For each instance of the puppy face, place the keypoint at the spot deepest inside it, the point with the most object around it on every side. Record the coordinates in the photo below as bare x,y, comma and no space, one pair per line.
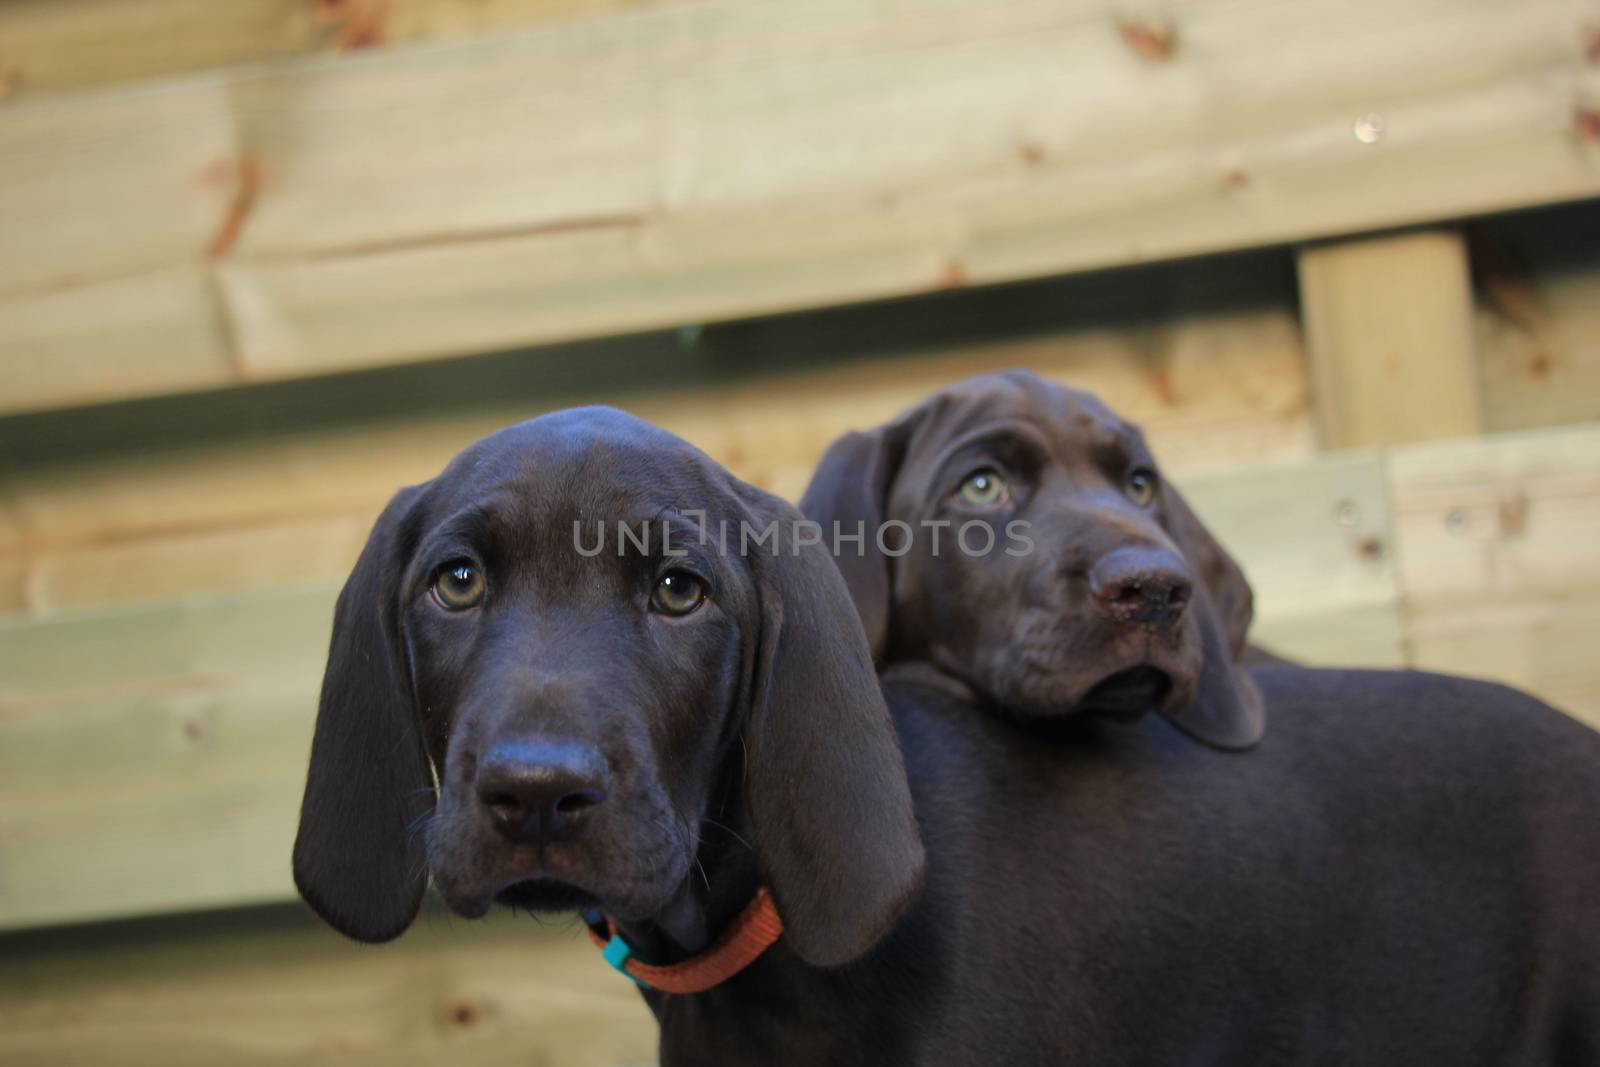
609,676
1102,592
545,679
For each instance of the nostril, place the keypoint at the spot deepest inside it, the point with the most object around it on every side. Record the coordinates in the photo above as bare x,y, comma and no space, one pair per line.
1127,593
1178,596
573,803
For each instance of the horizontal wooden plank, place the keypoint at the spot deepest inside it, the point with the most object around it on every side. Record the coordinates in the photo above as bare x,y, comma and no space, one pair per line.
1544,644
271,987
53,45
710,161
107,186
1371,635
1498,564
155,756
1312,535
224,513
166,326
1500,514
1314,539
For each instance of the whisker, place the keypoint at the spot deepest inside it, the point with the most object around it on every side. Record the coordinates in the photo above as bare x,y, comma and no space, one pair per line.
729,831
418,824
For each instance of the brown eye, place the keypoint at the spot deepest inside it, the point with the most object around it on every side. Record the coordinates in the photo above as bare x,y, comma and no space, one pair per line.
678,593
458,586
984,489
1141,486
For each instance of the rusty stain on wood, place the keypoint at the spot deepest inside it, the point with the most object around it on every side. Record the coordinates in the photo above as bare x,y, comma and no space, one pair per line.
357,24
1514,515
1587,120
1161,383
951,276
247,176
1155,39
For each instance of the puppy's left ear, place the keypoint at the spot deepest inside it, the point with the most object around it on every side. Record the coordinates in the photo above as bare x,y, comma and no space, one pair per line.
834,829
1227,710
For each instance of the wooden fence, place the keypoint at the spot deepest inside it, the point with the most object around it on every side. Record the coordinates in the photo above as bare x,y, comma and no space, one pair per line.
263,262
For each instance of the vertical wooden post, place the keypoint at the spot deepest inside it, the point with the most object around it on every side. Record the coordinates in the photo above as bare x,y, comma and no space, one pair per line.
1388,326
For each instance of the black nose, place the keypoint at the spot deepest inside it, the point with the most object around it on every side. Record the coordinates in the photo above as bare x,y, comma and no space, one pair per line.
1144,585
538,790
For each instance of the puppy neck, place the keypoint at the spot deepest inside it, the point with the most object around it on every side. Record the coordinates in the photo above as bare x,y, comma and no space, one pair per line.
720,886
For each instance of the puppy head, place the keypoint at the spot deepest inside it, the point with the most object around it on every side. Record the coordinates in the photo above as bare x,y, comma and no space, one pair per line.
546,670
1084,582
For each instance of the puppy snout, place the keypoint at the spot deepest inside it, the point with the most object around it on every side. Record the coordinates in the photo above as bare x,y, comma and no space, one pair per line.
1142,585
538,791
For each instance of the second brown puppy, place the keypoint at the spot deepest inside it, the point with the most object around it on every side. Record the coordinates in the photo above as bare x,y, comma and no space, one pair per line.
1083,582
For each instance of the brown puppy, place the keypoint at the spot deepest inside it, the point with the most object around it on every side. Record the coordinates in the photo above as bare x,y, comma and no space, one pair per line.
1099,591
606,718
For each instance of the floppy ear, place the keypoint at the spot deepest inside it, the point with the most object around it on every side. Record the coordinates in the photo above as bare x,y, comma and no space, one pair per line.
357,861
1227,711
835,833
848,493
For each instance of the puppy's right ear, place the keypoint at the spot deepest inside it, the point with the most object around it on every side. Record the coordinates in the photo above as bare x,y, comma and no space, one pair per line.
357,861
849,493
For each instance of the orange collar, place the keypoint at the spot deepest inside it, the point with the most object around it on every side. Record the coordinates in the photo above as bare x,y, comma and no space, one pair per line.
745,939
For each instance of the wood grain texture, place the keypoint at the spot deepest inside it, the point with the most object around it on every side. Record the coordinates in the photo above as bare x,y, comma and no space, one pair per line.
1389,330
1315,540
1498,563
152,760
710,161
224,511
165,327
48,46
270,987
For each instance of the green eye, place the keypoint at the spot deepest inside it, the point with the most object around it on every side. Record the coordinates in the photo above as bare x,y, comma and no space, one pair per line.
1141,486
984,489
678,593
458,586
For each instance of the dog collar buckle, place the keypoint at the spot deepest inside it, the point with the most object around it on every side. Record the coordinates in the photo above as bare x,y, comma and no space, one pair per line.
615,951
751,934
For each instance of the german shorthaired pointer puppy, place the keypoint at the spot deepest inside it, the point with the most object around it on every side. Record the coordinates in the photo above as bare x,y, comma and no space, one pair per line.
1109,595
1415,859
